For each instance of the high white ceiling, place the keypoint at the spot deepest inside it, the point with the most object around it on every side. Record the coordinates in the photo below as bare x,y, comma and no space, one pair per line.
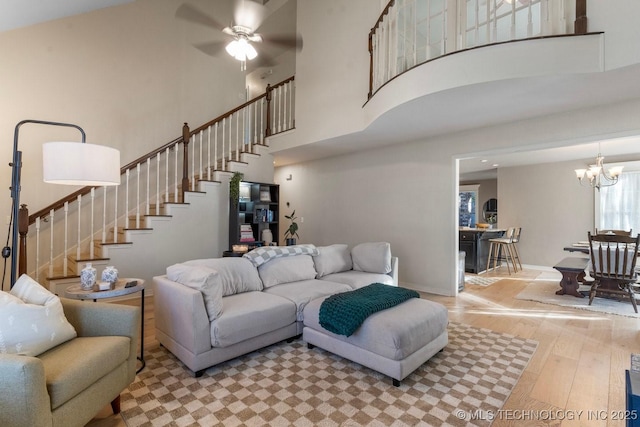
406,122
22,13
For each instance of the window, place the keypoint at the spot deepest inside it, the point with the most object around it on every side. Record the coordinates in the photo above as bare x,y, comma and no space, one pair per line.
468,205
618,206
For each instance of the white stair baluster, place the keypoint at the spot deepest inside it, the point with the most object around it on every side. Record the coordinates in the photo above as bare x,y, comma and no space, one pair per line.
176,154
223,155
193,164
255,125
126,200
158,195
209,153
115,214
262,102
104,214
215,146
284,107
230,137
65,263
37,249
166,175
51,213
238,137
93,199
201,174
79,199
148,199
138,196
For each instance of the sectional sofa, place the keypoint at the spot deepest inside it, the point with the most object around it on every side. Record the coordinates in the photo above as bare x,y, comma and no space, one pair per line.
208,311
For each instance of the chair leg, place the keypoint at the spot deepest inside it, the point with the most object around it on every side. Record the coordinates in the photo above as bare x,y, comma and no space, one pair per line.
511,248
115,405
504,251
515,249
632,296
489,257
592,293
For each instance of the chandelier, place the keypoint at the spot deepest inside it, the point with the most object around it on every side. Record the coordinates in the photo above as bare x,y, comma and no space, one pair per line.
596,176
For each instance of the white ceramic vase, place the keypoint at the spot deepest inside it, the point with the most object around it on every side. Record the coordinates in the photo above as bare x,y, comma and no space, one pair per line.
88,277
267,236
110,274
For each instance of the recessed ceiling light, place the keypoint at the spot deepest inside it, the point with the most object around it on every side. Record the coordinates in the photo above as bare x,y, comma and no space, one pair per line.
484,161
495,165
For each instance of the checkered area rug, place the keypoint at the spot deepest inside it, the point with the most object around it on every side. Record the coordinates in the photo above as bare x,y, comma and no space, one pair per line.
481,280
289,385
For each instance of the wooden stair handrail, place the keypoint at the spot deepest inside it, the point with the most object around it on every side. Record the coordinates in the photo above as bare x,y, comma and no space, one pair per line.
86,190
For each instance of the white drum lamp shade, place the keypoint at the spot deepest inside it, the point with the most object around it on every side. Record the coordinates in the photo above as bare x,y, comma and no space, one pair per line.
74,163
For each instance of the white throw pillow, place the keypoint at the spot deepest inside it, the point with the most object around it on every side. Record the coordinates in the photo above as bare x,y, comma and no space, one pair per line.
286,270
203,279
237,274
32,320
332,259
373,257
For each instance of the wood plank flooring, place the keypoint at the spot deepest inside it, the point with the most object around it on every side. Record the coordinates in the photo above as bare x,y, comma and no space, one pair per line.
576,377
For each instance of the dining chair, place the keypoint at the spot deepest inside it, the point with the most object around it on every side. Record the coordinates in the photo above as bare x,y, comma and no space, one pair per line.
501,249
613,265
514,245
617,232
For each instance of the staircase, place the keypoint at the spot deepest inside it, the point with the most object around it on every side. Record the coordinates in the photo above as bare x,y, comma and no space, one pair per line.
172,204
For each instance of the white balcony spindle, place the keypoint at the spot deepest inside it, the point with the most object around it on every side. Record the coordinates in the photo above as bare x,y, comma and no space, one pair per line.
238,137
201,172
223,153
158,196
193,163
262,102
230,138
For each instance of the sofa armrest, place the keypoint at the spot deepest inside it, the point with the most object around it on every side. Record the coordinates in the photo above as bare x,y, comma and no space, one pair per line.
24,400
95,319
394,270
180,314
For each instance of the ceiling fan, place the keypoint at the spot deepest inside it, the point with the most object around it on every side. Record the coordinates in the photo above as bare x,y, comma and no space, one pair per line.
248,16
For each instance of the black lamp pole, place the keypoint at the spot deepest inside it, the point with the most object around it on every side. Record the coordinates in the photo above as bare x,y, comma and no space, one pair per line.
16,166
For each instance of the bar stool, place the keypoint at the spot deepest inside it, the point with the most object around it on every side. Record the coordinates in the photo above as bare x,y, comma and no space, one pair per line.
501,249
514,246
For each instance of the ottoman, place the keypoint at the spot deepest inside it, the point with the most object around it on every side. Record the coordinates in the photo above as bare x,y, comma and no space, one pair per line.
394,342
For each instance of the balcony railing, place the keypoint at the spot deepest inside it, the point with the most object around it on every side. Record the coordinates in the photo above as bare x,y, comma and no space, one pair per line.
409,33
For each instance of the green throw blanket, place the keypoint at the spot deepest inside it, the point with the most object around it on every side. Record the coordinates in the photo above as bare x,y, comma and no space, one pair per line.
343,313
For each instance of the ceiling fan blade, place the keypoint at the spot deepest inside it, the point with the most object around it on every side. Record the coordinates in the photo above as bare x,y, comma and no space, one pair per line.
248,14
228,31
192,14
211,48
284,40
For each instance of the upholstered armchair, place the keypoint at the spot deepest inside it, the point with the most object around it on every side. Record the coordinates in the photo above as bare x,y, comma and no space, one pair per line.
69,384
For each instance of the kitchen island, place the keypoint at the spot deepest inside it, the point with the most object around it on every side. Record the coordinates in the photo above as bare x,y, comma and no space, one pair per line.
475,243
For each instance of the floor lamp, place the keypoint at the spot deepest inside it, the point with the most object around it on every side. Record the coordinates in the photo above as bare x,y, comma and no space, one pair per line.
69,163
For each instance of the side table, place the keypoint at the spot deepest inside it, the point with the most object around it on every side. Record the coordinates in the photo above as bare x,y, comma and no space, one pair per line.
117,290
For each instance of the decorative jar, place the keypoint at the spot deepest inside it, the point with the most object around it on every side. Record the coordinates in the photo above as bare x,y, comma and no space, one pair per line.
88,277
267,236
110,274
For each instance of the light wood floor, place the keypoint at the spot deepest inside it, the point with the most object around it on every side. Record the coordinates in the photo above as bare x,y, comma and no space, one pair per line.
579,364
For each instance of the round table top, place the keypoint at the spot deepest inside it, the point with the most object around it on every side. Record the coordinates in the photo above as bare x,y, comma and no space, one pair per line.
76,291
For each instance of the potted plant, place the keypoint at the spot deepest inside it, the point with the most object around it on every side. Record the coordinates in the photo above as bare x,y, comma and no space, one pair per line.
292,231
234,187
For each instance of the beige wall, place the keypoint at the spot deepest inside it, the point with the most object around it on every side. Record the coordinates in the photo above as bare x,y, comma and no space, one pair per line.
129,75
551,207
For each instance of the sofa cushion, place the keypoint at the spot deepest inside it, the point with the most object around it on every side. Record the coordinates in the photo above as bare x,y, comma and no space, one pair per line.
32,320
75,365
332,259
358,279
262,255
287,269
372,257
236,274
250,314
304,291
203,279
